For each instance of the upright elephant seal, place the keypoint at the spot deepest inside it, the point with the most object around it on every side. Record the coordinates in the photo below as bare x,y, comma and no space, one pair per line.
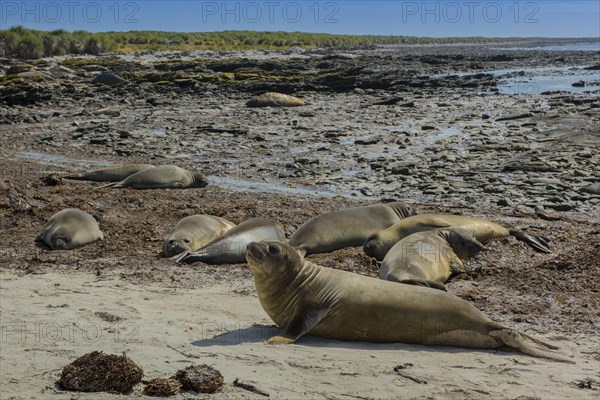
162,177
304,298
231,247
274,99
194,232
347,228
380,243
69,229
113,174
429,258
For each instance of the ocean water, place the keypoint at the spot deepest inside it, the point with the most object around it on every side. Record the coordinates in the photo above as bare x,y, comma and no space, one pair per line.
562,47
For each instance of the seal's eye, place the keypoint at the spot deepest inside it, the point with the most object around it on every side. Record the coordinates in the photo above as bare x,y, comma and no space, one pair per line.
171,241
273,250
187,241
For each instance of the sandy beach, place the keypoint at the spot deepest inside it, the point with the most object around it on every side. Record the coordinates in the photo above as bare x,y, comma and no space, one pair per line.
525,161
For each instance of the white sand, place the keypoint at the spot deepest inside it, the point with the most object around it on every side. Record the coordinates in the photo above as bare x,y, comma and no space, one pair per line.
48,320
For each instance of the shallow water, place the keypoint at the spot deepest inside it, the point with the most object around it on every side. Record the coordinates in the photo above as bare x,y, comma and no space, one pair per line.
535,81
545,83
226,182
242,185
562,47
60,160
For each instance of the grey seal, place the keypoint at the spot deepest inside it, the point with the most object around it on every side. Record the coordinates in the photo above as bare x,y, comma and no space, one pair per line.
231,247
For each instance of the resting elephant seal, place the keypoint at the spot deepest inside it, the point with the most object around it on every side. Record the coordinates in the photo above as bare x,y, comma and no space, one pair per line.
162,177
429,258
274,99
69,229
380,243
346,228
231,247
305,298
194,232
114,174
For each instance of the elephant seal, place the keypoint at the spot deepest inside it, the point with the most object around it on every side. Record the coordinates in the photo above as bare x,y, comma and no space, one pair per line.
380,243
194,232
162,177
108,78
305,298
69,229
274,99
429,258
231,247
113,174
347,228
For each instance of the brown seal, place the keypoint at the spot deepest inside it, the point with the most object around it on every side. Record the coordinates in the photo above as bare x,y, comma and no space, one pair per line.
347,228
305,298
274,99
380,243
162,177
113,174
69,229
429,258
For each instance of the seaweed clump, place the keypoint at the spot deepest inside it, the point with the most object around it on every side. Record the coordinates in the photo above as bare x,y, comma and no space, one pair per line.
99,372
200,378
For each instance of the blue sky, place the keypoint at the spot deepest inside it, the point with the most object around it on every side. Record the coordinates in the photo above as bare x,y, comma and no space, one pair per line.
547,18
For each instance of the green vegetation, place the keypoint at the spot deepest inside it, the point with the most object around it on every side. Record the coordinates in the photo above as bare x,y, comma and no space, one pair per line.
18,42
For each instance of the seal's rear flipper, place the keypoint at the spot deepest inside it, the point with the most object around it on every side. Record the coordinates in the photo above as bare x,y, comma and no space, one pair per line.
538,243
425,283
528,345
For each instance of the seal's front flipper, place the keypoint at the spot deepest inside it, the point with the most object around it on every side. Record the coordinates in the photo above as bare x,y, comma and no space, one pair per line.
538,243
303,320
425,283
281,339
190,257
180,256
528,345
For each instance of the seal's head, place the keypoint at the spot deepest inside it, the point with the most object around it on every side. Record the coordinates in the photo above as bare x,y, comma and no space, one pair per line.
176,245
374,247
61,242
273,258
198,180
463,242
